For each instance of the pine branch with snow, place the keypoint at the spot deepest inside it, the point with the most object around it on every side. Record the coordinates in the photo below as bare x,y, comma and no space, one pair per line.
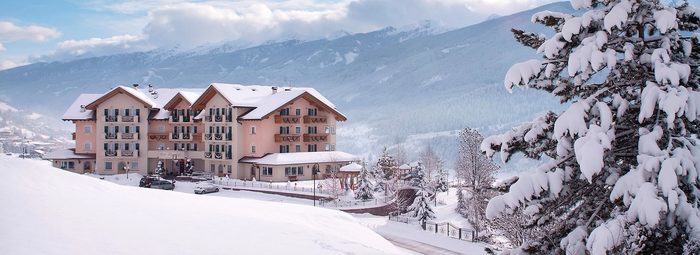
365,191
623,175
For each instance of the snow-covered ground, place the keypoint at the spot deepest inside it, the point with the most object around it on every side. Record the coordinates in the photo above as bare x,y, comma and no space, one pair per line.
49,211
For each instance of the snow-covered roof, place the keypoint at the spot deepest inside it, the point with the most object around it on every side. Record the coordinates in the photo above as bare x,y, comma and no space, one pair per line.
405,167
66,154
271,103
302,158
352,167
167,94
76,112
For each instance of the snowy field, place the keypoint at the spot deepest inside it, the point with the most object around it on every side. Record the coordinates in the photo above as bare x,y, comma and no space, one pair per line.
49,211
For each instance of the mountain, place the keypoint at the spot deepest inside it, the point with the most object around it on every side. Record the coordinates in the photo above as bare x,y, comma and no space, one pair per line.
22,130
410,85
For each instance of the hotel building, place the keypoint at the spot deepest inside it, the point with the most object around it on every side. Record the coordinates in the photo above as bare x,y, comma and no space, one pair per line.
245,132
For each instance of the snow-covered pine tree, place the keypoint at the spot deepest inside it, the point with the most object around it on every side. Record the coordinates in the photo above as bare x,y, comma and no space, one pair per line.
421,207
476,171
365,191
625,157
159,168
441,184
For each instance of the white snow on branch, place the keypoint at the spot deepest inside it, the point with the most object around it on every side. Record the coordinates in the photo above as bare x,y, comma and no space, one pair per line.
521,73
666,20
578,4
650,96
646,206
606,236
571,27
528,186
572,121
541,16
552,46
617,15
590,151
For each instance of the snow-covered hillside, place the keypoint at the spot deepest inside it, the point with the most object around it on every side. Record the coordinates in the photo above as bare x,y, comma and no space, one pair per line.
49,211
390,82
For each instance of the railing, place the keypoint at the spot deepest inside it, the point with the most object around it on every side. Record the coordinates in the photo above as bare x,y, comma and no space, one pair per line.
207,118
207,154
126,153
315,119
127,135
286,138
127,118
441,228
175,136
110,153
218,118
286,119
111,136
217,155
174,118
186,136
218,137
315,138
207,136
110,118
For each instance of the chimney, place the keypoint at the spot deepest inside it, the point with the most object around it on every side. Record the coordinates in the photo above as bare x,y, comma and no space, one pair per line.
82,108
136,85
274,90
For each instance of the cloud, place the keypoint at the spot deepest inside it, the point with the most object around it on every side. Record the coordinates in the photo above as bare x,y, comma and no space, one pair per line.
93,47
10,32
7,64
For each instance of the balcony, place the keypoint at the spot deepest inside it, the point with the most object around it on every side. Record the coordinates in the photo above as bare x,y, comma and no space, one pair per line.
207,154
315,119
218,155
315,138
279,138
128,136
157,136
207,118
174,136
110,118
128,118
186,136
286,119
129,153
111,136
207,136
219,118
218,136
110,153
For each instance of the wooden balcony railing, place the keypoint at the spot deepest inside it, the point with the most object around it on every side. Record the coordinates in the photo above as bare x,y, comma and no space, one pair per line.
207,154
129,153
218,155
111,136
218,136
207,136
127,118
128,136
286,119
315,138
315,119
110,153
279,138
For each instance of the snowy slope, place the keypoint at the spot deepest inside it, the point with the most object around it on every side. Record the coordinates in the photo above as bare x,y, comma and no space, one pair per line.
422,80
49,211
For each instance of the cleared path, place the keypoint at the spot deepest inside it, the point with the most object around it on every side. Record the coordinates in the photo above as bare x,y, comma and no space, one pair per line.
416,246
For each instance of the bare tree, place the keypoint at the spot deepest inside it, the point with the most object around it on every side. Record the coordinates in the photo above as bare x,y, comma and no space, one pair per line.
475,171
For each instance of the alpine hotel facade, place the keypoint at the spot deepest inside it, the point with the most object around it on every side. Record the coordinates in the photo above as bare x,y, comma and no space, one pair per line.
244,132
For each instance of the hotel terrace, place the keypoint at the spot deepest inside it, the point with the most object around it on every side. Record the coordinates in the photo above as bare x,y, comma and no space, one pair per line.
245,132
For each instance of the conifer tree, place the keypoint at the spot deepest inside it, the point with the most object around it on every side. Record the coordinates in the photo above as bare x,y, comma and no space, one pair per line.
625,157
365,191
421,207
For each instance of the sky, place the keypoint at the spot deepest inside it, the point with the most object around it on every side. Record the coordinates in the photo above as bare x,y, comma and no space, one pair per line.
54,30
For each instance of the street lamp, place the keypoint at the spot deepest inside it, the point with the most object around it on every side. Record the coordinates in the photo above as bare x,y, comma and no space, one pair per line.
314,172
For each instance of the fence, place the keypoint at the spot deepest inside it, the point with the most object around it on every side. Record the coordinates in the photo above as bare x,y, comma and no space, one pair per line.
266,185
355,203
442,228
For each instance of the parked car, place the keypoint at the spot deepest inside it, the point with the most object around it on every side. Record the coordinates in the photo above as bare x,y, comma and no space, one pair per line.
146,181
203,188
162,184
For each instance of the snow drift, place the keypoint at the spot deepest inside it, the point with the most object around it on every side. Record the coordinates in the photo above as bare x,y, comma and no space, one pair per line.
50,211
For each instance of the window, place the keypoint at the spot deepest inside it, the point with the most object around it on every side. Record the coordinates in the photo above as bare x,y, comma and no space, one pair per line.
297,148
108,165
87,129
138,112
293,170
313,111
126,112
328,147
211,168
134,165
284,112
298,129
71,165
284,148
252,130
252,149
87,146
328,130
298,111
284,130
312,130
228,169
161,129
312,147
267,171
